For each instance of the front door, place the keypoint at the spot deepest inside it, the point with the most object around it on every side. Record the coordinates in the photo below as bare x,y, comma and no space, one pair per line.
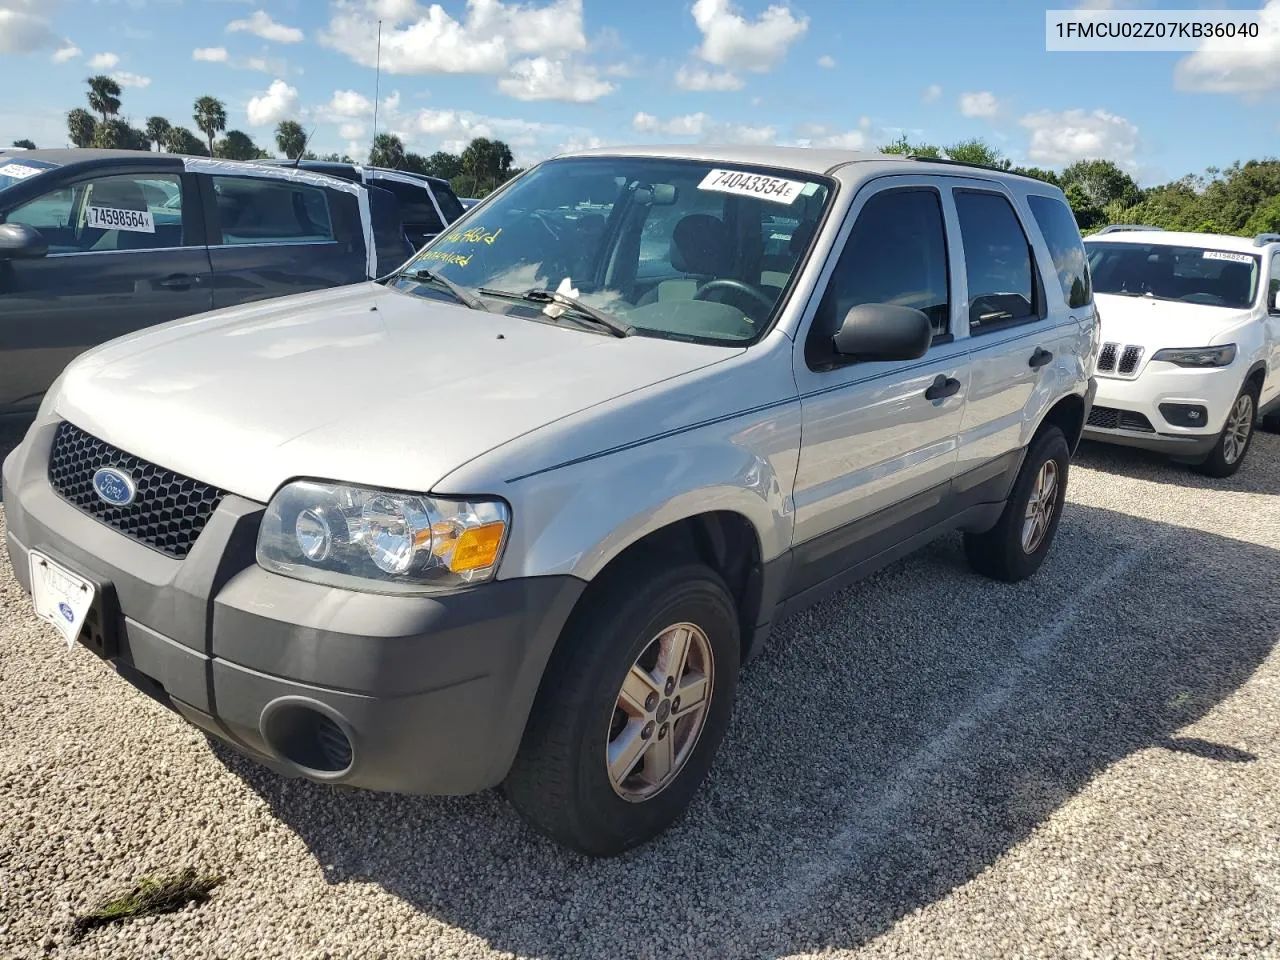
880,437
125,252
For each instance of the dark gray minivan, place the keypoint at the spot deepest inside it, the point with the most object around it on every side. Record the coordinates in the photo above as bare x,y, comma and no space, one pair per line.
98,243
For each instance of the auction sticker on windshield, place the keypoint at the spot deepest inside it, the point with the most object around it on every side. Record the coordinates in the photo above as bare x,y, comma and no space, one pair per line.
111,218
752,185
19,171
1231,257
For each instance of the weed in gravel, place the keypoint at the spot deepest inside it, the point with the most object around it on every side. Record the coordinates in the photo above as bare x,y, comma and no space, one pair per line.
151,896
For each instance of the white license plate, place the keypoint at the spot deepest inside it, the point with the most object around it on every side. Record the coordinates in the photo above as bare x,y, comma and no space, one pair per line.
60,596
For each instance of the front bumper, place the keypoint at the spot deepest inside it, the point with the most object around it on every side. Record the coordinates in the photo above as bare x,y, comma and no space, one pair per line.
1159,384
430,693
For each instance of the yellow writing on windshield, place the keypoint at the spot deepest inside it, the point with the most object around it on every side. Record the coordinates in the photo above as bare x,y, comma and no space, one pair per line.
446,257
474,235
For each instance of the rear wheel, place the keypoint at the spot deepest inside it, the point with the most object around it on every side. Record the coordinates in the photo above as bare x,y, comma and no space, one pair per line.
1235,439
1015,547
633,706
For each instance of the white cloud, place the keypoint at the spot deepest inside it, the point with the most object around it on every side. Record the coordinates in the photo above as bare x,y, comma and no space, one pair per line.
349,103
689,125
104,61
63,54
1107,4
821,135
540,78
22,32
127,79
574,144
418,41
826,62
931,93
698,78
261,25
730,40
262,65
983,104
278,103
1221,66
744,133
1059,138
210,54
351,131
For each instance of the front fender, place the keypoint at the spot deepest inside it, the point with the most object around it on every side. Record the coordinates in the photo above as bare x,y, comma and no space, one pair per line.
575,519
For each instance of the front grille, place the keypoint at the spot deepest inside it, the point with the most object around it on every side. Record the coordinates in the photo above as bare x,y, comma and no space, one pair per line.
1129,359
169,510
1107,359
1109,418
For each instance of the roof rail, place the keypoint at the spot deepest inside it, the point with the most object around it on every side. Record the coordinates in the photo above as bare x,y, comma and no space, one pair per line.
1262,239
960,163
1125,227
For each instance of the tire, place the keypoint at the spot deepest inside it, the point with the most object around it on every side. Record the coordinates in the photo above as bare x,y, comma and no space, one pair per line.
1003,553
1229,452
561,781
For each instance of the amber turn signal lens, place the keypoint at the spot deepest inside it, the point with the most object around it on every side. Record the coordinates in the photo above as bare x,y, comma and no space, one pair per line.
478,547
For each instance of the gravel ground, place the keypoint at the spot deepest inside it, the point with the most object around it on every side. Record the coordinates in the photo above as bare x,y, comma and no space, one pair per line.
928,764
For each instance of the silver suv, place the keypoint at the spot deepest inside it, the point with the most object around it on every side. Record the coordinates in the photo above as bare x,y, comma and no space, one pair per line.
518,513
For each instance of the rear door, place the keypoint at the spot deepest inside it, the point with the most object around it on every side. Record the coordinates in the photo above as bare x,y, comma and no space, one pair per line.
880,437
1021,334
126,251
269,237
1271,389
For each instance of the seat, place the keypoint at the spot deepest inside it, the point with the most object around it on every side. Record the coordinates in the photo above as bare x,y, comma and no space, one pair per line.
1234,282
700,246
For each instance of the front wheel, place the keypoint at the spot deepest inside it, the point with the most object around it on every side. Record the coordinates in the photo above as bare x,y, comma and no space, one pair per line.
1015,547
1235,439
632,708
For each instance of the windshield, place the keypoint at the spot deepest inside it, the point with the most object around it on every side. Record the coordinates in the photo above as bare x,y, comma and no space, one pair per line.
14,169
1211,278
673,248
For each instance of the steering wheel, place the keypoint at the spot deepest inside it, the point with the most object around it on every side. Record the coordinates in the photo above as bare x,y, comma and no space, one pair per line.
742,289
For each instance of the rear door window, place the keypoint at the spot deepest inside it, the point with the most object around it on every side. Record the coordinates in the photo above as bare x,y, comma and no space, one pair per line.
417,212
998,261
108,214
261,210
450,205
1062,237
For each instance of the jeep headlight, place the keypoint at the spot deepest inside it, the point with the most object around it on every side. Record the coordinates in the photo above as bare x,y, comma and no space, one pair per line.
380,540
1198,356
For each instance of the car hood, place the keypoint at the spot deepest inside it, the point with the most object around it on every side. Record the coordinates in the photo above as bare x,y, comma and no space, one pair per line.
1155,324
364,384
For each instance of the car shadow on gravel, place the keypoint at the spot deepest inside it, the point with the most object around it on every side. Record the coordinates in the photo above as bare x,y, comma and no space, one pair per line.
1260,472
889,745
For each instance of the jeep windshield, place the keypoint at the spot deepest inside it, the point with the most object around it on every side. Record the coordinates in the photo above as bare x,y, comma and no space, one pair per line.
14,168
682,249
1211,278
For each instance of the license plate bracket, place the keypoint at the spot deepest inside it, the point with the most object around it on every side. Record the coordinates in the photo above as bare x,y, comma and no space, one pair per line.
99,622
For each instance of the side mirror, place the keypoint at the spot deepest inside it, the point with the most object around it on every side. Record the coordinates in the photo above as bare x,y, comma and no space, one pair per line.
883,331
20,242
1275,302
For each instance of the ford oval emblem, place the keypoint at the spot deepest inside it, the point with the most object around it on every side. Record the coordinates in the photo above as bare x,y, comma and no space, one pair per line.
114,487
67,612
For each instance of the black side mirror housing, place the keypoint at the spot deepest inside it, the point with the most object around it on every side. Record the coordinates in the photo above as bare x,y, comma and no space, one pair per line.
883,331
20,242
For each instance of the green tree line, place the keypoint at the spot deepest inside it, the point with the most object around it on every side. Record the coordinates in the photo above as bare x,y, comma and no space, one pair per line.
1242,199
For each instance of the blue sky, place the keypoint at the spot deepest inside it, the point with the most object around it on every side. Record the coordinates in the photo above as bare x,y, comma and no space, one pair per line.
548,74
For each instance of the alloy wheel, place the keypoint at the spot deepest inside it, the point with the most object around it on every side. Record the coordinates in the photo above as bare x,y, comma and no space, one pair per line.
1040,506
660,712
1235,435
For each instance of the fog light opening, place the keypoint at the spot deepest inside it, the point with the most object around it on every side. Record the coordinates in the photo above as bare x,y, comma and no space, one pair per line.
307,738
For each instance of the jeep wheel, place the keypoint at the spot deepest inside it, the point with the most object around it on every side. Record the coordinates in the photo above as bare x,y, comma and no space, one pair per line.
1237,435
1015,547
631,710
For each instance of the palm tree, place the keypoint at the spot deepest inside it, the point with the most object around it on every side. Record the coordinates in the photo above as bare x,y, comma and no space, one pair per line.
210,117
158,130
80,127
387,151
104,96
291,139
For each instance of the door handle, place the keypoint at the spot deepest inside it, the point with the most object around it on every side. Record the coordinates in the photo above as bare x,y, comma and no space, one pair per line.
178,281
1040,358
941,387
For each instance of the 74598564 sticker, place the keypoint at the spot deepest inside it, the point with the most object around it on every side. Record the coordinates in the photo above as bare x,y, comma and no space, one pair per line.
752,185
113,218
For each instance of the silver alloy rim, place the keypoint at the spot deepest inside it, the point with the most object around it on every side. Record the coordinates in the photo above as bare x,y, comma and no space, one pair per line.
660,712
1235,435
1040,506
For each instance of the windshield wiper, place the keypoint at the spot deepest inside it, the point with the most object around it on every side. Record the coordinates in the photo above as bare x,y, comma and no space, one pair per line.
461,294
610,323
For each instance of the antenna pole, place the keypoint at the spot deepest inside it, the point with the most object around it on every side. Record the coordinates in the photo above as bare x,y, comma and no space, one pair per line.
377,81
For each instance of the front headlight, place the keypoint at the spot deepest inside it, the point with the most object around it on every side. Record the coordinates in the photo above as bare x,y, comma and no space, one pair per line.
1198,356
380,540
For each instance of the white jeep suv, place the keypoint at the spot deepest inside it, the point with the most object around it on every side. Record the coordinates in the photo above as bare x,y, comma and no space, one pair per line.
1190,342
